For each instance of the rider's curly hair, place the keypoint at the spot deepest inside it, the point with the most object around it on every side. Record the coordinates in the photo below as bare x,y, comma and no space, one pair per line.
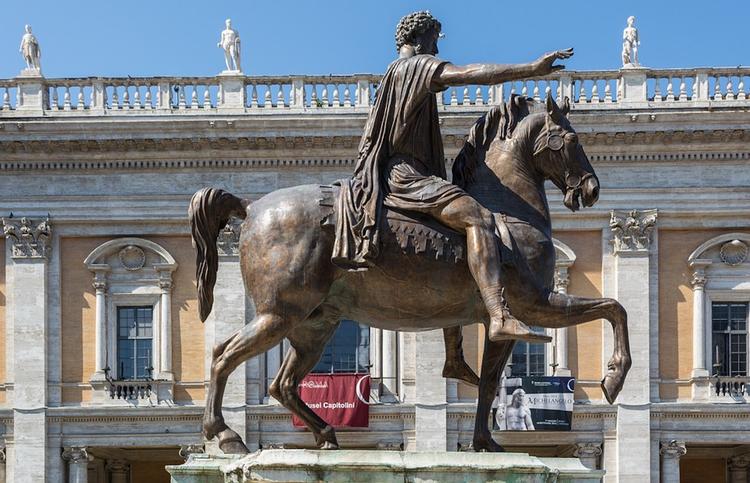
414,24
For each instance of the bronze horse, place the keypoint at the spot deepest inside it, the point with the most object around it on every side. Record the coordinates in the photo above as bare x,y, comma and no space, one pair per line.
285,250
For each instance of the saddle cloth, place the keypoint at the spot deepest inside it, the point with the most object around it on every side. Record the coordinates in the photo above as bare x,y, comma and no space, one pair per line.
417,233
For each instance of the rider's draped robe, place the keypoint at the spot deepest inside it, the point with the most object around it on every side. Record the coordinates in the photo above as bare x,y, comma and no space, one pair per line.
400,162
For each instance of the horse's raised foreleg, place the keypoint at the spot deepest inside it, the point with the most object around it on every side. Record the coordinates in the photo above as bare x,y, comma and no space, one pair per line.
561,310
264,332
307,343
495,356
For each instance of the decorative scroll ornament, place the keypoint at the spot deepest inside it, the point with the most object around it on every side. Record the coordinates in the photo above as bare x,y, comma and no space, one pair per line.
75,454
733,253
587,450
29,240
228,241
632,230
673,449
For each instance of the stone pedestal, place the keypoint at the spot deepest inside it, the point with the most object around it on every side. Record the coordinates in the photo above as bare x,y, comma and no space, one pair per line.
381,466
430,413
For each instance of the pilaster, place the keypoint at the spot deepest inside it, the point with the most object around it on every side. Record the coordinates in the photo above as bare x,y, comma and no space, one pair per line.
671,453
738,468
28,242
78,462
430,418
634,250
227,317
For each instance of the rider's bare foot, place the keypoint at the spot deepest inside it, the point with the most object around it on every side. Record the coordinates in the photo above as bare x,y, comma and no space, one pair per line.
460,370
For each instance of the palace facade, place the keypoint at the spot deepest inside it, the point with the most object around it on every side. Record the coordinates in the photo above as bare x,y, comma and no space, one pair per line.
103,359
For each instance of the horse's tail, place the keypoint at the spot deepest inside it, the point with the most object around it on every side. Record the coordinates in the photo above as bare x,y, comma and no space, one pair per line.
209,212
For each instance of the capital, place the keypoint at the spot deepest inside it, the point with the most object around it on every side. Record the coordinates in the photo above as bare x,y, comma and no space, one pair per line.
587,450
631,230
30,239
75,454
562,279
739,462
673,449
187,449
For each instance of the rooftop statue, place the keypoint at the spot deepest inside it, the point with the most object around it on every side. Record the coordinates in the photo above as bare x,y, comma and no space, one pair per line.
630,43
230,42
411,250
30,50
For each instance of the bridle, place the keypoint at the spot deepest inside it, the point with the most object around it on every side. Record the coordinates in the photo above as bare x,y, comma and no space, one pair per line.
555,144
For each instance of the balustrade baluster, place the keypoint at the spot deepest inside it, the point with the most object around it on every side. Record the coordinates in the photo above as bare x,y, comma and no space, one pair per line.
595,92
512,88
53,103
581,92
741,89
253,96
657,90
66,99
137,100
194,97
267,102
347,97
126,97
478,96
314,97
547,90
618,85
115,98
717,89
80,102
670,89
465,98
535,90
730,89
336,102
280,96
559,92
182,103
6,100
324,95
694,91
148,99
683,90
607,91
207,97
524,89
454,97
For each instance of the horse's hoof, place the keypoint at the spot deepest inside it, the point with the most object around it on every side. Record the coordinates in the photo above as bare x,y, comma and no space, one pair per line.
611,388
326,439
462,372
489,446
211,429
231,443
329,445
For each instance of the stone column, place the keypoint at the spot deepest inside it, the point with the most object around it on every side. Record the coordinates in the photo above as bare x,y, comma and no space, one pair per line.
390,361
670,461
100,362
430,418
700,373
376,362
589,454
634,282
78,464
228,316
165,284
26,331
560,359
118,471
738,468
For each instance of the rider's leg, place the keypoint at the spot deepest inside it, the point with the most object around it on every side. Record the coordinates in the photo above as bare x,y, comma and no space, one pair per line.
483,255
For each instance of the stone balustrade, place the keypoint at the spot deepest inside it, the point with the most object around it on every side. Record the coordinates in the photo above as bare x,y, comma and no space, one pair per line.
587,90
728,389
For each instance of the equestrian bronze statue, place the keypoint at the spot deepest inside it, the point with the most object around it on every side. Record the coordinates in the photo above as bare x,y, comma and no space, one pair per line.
398,247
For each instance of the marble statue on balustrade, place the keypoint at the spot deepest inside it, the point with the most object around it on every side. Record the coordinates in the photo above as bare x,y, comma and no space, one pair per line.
630,43
230,42
31,52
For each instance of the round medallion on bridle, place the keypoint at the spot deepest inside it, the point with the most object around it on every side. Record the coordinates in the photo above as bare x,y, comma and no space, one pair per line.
555,142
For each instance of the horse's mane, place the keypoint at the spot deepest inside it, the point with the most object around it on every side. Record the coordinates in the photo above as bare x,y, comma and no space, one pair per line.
498,122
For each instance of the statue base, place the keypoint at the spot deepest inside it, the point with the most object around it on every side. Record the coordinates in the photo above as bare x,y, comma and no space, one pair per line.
300,465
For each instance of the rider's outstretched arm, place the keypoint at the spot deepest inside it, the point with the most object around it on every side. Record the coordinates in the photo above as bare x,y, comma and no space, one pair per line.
489,74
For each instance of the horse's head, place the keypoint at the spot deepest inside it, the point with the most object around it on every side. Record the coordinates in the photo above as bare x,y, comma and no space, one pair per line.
562,160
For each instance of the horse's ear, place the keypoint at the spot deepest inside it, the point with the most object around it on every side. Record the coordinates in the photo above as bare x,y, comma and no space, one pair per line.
552,109
566,106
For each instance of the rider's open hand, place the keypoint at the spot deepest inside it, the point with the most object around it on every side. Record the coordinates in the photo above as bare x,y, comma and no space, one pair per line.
544,63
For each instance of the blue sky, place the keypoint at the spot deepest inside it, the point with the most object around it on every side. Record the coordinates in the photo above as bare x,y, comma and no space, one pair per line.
138,37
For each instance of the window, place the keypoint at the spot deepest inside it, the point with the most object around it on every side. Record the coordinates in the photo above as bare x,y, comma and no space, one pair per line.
528,359
135,342
729,338
347,351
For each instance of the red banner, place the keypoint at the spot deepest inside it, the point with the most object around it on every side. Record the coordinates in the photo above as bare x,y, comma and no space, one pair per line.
342,400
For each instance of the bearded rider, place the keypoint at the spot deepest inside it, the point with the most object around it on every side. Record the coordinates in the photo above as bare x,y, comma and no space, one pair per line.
401,164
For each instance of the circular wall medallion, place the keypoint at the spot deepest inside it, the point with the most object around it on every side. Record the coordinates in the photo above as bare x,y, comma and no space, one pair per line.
132,257
733,252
